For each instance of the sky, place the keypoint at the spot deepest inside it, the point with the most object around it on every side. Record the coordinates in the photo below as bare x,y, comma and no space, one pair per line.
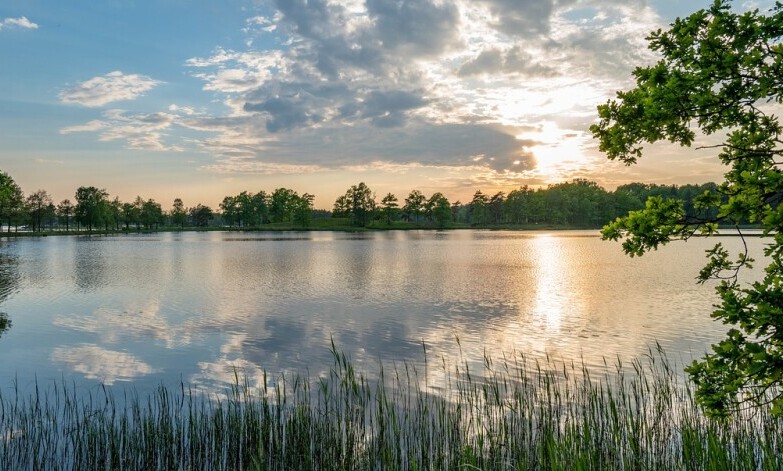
200,99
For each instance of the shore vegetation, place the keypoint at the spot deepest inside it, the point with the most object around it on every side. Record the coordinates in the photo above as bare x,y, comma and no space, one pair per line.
510,414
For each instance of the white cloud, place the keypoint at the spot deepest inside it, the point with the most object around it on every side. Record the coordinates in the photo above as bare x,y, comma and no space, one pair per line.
114,86
245,165
356,82
242,145
346,84
185,110
92,126
21,22
144,131
762,5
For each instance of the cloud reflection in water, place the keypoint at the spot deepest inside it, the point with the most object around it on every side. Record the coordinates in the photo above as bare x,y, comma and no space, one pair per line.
201,308
95,362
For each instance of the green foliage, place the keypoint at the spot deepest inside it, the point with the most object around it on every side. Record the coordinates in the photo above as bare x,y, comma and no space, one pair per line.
40,208
478,208
439,210
720,73
91,206
259,202
151,214
201,215
509,414
179,216
11,199
389,207
229,210
115,212
576,204
495,208
647,228
414,205
65,211
255,209
302,207
130,214
358,204
281,205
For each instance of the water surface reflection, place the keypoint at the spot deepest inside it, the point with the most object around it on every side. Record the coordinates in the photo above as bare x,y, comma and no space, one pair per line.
9,284
9,273
200,307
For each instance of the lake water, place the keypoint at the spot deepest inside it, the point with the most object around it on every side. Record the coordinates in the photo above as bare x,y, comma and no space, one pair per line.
198,308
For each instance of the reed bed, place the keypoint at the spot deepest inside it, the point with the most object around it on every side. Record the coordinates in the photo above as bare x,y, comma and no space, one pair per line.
513,414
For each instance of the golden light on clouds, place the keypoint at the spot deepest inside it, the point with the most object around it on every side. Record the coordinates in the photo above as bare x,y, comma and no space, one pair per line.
322,92
558,152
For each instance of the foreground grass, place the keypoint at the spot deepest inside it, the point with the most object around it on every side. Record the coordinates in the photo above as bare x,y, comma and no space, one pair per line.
512,415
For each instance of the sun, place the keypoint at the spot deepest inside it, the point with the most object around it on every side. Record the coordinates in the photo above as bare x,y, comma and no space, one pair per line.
558,152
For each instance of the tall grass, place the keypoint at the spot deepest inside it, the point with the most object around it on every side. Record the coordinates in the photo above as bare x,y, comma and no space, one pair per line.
510,415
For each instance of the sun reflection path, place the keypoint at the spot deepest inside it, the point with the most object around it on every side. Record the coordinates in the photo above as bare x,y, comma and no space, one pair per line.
550,295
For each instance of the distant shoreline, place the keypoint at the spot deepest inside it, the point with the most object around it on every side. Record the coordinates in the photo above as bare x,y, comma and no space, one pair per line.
337,228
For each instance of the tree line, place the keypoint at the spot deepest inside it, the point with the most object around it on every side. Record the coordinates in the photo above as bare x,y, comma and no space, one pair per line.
578,203
93,209
253,210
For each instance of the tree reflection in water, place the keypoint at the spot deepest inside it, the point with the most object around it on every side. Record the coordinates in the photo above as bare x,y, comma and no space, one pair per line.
9,283
5,323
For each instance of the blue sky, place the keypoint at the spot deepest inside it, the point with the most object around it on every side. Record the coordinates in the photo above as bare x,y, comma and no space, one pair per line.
202,99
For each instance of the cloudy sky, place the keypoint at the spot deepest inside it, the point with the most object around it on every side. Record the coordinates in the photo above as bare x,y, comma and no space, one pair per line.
200,99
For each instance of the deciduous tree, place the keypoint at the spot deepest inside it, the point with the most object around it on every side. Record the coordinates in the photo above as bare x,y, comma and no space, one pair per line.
229,210
303,209
361,202
260,203
201,215
114,212
440,209
341,207
151,214
281,205
721,75
11,199
38,207
64,212
131,214
90,206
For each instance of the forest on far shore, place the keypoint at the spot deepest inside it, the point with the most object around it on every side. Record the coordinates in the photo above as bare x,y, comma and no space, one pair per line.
579,203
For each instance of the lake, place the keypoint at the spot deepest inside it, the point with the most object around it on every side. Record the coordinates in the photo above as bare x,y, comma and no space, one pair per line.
199,308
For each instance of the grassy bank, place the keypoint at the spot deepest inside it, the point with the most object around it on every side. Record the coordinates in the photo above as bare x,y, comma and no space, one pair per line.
511,415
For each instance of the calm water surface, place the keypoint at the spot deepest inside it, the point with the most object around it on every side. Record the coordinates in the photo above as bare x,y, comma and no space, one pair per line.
196,307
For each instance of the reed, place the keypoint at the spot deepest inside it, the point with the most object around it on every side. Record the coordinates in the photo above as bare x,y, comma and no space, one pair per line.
513,414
